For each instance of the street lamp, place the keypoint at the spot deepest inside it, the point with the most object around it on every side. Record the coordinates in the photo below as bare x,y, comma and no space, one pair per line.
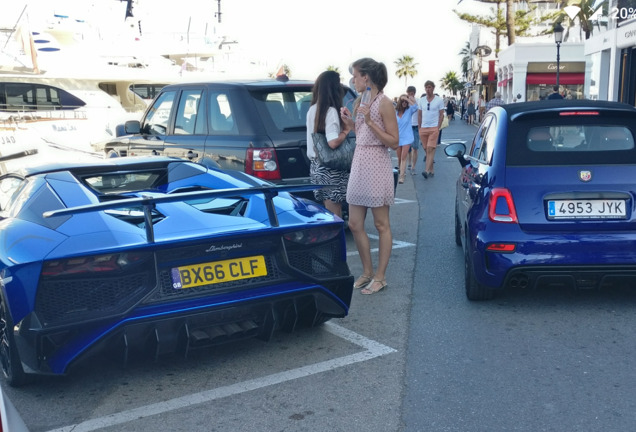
558,38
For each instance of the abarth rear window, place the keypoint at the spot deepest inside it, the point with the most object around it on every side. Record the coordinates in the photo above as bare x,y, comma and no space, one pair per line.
583,138
572,140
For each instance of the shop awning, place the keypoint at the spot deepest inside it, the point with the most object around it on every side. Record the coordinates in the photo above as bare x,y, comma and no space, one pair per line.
550,78
503,83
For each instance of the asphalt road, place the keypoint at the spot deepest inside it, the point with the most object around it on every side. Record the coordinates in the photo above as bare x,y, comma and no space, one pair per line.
417,356
544,360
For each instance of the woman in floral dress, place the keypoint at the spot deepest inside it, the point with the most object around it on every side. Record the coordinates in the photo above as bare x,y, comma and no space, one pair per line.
371,179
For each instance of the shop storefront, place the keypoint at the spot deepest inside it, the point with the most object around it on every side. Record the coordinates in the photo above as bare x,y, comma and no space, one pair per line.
527,71
541,78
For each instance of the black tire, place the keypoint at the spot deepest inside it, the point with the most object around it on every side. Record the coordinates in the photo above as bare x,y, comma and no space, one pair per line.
474,290
9,357
458,229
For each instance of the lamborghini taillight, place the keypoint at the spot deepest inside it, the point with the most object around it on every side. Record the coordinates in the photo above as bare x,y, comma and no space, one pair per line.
94,264
313,235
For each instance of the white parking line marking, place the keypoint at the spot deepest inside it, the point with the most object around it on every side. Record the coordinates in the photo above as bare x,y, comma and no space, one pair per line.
403,201
396,245
372,349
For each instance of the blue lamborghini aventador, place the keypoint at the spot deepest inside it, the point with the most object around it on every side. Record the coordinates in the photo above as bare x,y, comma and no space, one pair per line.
153,256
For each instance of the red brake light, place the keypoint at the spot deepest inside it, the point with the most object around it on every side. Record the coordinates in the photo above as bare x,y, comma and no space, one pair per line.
501,207
576,113
501,247
93,264
313,236
262,163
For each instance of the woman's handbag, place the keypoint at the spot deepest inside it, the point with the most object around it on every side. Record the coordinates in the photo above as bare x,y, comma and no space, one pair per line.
444,123
339,158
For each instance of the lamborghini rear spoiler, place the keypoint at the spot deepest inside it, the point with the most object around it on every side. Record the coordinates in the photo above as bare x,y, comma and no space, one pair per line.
148,202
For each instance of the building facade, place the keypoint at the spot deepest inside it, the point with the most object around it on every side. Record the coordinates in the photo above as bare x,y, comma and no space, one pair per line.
611,56
528,71
602,67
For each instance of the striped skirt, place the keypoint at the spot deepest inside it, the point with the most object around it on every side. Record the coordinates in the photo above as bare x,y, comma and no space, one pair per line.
321,175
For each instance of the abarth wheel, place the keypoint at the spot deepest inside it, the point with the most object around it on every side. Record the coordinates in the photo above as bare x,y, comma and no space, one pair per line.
9,358
458,229
474,290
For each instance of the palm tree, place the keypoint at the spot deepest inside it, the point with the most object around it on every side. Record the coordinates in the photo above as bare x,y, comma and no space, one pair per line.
451,82
511,24
467,56
405,67
587,10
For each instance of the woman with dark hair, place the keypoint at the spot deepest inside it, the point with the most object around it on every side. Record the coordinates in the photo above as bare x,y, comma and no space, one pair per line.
404,110
450,109
471,111
323,117
371,180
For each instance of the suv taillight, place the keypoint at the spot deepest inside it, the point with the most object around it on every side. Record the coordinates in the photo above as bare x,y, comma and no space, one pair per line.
501,207
262,163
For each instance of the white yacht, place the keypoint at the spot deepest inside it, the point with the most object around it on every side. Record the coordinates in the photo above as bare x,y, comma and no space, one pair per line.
68,83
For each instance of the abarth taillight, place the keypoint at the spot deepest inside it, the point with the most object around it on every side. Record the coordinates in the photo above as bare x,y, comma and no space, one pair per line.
501,207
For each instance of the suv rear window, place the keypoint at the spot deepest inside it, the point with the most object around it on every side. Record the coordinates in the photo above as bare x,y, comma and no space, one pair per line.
287,109
571,141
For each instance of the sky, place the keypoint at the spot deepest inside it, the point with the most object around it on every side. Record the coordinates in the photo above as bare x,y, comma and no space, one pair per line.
306,35
309,36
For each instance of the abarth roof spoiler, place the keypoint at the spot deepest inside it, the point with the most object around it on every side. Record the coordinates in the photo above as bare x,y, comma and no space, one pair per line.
148,202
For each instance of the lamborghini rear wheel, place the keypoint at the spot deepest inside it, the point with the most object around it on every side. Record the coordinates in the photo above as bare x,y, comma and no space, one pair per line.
9,357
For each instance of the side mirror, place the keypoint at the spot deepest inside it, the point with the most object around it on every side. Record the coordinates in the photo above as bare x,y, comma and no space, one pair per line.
457,150
132,127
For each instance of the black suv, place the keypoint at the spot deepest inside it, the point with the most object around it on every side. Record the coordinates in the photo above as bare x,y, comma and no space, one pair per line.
258,127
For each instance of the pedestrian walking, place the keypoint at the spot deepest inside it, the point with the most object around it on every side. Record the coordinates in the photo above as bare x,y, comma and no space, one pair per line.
450,109
496,101
471,111
481,106
555,93
404,111
371,179
416,135
430,115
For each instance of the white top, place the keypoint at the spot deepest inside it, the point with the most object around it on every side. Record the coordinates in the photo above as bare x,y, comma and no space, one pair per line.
332,127
414,117
430,115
